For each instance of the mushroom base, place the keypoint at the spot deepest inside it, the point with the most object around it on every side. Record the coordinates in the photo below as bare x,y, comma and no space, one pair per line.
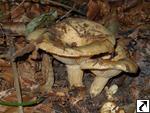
101,80
98,85
75,75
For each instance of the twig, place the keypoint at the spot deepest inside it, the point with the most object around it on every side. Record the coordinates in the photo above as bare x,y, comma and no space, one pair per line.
18,6
61,5
15,8
66,7
67,14
48,3
16,80
1,29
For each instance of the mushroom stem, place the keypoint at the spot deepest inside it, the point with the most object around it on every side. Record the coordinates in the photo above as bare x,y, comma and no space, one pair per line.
75,75
98,85
101,80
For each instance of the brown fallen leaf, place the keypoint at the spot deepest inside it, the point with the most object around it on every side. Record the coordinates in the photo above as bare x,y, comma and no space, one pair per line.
97,9
17,14
93,10
4,63
35,10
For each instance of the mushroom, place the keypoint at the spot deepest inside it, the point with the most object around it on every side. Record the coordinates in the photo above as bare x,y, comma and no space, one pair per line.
106,67
73,41
111,107
111,91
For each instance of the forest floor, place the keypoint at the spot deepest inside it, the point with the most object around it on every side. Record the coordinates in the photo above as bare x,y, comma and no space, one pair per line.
134,30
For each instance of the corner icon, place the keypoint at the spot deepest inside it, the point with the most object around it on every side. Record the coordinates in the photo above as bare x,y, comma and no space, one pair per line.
143,106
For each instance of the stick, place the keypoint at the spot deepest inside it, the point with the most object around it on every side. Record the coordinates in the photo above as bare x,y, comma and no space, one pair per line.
16,80
66,7
58,4
66,15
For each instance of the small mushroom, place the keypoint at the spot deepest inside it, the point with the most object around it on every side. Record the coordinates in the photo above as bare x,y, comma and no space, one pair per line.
104,69
111,91
111,107
73,41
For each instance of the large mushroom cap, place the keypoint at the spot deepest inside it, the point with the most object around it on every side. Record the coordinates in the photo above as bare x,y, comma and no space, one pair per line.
75,37
80,32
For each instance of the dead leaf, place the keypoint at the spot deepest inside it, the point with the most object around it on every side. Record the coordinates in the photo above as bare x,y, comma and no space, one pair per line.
103,7
93,10
35,10
97,9
17,14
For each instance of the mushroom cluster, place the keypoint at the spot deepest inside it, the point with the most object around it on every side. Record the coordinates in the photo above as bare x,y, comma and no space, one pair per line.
75,42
